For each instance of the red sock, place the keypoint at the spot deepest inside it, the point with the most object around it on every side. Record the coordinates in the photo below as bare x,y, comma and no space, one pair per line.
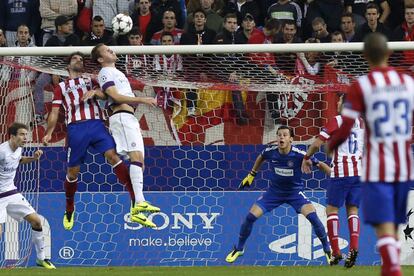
122,172
333,233
70,189
353,226
390,259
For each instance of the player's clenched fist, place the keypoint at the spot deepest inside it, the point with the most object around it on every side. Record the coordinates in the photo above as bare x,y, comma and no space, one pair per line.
38,154
248,180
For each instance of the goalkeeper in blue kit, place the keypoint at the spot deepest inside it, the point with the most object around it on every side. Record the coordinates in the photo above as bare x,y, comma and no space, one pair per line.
286,187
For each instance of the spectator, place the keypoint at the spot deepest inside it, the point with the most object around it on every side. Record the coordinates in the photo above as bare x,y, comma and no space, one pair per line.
64,35
214,20
268,34
98,33
197,34
169,66
23,40
108,9
50,10
14,13
159,7
311,64
228,36
3,41
358,8
23,37
372,25
286,10
144,18
329,10
348,26
338,37
286,61
247,30
251,7
405,32
320,30
169,21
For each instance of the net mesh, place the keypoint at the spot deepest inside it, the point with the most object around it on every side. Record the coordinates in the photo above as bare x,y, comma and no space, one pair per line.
216,114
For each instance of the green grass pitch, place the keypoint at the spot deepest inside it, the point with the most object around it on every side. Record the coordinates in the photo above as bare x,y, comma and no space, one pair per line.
210,271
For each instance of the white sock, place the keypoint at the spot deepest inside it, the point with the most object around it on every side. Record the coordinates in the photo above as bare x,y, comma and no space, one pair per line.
39,243
137,179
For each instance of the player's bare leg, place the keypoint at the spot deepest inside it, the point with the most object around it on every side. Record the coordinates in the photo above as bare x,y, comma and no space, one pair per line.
38,241
309,211
136,171
354,228
245,230
71,185
388,247
333,233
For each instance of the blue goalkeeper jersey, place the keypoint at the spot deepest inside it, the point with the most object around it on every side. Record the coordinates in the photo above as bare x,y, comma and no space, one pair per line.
286,168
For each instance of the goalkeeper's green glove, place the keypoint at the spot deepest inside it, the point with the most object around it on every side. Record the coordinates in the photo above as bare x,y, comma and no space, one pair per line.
248,180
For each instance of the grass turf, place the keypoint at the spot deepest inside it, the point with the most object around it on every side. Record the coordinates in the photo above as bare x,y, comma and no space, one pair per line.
215,271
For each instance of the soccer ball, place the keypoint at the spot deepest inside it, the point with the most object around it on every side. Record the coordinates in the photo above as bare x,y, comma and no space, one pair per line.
121,24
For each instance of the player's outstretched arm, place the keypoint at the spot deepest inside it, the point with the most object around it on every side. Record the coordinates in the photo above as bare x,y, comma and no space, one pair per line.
248,180
314,147
118,98
324,167
51,124
28,159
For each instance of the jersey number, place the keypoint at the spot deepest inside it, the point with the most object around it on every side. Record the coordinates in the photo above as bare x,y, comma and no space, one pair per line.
400,108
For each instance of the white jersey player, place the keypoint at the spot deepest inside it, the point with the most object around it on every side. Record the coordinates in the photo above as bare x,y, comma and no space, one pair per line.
12,202
124,126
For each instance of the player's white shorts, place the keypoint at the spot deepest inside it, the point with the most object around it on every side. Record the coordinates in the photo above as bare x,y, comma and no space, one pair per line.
15,206
126,131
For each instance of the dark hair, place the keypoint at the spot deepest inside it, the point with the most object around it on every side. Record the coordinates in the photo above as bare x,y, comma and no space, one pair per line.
318,20
290,22
14,128
166,34
229,15
375,48
134,31
338,33
272,24
292,134
95,54
200,10
24,25
348,14
372,6
75,54
97,18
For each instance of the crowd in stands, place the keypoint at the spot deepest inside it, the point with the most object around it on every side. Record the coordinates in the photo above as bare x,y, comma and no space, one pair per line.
197,22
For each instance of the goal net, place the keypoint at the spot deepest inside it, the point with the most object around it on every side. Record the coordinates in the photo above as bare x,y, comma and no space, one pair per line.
218,107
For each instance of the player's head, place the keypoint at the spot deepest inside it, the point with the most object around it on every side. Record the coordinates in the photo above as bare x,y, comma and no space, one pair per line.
376,51
75,62
102,54
284,137
18,134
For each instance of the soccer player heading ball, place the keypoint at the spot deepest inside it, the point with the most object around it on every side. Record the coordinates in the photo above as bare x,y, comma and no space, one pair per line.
286,187
385,99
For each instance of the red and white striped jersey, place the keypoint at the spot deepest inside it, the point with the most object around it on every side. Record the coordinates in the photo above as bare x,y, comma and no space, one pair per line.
346,159
169,65
69,94
385,98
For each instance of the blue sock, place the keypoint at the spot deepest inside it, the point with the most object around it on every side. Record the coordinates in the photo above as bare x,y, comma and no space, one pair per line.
319,230
245,230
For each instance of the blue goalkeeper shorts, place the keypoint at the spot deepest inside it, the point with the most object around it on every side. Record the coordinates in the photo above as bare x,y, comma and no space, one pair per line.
344,190
87,134
272,199
385,202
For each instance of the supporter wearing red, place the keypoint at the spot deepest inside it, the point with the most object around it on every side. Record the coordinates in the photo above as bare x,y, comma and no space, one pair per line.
145,20
15,13
52,9
98,33
320,30
286,10
169,21
405,32
373,25
247,30
311,63
348,26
